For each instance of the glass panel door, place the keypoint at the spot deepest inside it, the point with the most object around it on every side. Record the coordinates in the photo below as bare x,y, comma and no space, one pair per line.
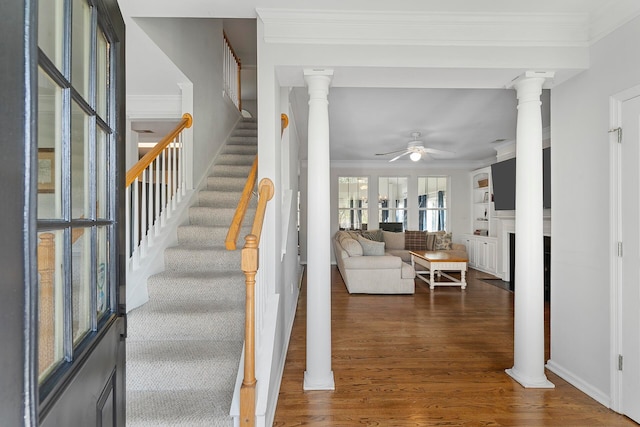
76,215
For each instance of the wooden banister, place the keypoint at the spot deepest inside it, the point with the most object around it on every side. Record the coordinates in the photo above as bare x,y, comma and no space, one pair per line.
146,160
250,268
46,301
265,193
284,123
243,205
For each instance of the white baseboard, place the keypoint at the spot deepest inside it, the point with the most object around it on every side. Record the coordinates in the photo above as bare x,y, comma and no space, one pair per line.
593,392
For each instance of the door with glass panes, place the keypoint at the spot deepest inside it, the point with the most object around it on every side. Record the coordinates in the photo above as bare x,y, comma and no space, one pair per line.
80,323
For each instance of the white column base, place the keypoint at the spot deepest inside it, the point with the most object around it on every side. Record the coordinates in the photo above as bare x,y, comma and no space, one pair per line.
326,383
541,382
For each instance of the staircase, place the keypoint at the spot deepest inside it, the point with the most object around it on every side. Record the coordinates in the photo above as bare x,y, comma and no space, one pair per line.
184,345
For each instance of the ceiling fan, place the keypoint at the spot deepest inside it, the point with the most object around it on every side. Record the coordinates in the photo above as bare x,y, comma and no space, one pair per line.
415,149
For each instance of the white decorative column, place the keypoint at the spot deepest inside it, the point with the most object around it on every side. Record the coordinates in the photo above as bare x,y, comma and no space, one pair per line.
318,375
528,355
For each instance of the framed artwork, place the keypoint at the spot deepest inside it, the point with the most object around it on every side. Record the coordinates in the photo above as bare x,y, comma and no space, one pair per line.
46,170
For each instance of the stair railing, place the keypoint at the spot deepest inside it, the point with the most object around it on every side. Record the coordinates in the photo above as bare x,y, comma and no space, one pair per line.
250,265
241,210
231,68
154,187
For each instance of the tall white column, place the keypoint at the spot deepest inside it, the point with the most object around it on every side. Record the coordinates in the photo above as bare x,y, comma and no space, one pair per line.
528,355
318,375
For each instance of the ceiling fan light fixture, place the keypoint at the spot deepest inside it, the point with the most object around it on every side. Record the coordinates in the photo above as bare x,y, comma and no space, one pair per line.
415,156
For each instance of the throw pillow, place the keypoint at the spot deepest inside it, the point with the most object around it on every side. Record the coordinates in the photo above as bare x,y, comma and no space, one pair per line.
415,241
352,247
369,247
393,240
442,242
431,238
375,235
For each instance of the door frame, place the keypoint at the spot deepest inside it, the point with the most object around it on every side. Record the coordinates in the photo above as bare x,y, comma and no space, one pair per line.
615,233
18,310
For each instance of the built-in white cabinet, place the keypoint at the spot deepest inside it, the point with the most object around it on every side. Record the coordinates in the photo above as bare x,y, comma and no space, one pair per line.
482,211
482,252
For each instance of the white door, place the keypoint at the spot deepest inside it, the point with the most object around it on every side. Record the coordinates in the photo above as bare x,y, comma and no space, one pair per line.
630,280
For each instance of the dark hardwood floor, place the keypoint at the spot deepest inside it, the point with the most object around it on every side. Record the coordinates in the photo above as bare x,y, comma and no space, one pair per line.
433,358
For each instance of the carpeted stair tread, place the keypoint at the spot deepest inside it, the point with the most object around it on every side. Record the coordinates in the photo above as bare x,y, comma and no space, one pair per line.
195,285
210,216
225,183
245,132
242,140
241,149
201,258
186,321
235,159
222,199
241,171
166,365
207,235
179,408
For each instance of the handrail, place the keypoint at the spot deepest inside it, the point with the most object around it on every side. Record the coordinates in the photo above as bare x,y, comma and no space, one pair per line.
249,265
137,169
284,122
243,204
155,187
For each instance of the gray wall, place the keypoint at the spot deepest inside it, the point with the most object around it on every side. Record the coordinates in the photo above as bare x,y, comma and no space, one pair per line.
581,337
195,46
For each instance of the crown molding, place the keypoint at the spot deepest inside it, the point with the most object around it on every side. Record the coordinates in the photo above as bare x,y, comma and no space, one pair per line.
421,28
611,15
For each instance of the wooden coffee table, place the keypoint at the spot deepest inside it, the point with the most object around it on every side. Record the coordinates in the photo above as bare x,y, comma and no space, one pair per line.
437,262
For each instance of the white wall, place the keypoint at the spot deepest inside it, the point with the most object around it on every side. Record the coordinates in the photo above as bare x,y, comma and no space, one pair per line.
195,46
459,196
580,250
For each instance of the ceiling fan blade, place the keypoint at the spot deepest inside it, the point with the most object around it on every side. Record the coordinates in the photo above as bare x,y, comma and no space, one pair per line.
397,157
436,151
391,152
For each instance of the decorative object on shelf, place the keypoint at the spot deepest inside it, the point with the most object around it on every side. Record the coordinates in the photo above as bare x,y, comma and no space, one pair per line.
483,183
485,199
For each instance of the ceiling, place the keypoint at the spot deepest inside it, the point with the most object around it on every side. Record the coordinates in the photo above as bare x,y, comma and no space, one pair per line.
372,118
470,123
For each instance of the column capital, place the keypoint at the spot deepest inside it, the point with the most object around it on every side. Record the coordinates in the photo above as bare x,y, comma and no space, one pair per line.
531,75
318,81
328,72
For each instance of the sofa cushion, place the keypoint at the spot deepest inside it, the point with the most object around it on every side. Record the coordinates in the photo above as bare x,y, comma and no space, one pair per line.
373,262
442,242
375,235
352,246
415,241
393,240
370,248
403,254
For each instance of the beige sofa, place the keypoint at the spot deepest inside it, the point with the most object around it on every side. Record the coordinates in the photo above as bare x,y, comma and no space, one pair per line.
370,270
401,244
379,262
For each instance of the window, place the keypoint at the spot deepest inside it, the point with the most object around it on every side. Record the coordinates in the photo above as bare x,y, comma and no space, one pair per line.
76,173
392,200
432,203
353,208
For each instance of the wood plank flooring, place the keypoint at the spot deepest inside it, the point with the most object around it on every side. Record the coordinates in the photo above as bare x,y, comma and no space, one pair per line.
436,358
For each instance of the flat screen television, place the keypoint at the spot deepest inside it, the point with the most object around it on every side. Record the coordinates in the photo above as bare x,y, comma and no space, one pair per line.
503,176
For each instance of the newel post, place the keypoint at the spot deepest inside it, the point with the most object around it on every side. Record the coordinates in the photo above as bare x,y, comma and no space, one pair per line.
248,388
